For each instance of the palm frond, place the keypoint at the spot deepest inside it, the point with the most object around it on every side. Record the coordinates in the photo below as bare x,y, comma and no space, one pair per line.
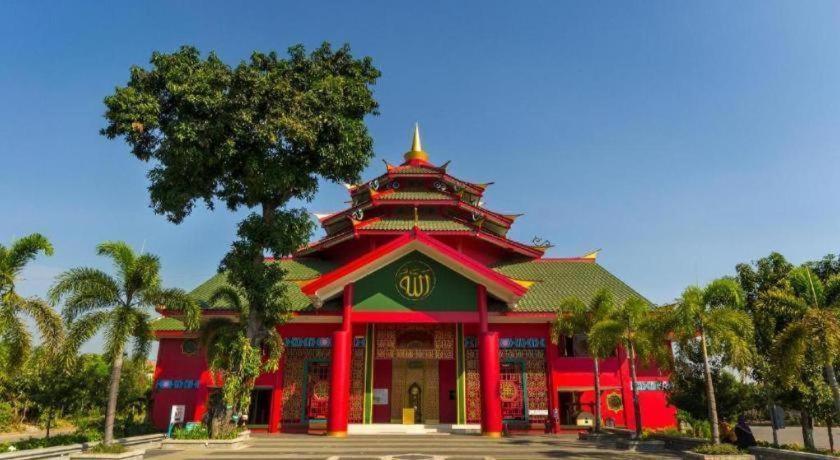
121,254
605,336
144,274
84,289
729,333
789,351
226,296
786,303
143,336
46,319
176,300
85,327
24,250
119,330
15,338
569,318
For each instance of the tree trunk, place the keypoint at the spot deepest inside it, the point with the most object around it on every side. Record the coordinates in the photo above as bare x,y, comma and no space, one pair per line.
636,407
49,422
830,436
710,391
597,395
807,430
113,392
835,390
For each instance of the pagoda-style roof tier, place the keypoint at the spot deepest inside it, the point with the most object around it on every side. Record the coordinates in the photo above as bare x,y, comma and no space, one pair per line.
417,190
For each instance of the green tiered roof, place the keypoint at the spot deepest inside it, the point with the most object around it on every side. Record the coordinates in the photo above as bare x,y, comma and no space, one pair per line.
557,279
425,224
553,281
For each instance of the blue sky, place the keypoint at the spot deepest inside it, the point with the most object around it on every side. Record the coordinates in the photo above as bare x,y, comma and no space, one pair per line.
679,137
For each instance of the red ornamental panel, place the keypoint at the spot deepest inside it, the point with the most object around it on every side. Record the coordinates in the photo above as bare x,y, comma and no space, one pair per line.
294,380
357,385
318,388
511,391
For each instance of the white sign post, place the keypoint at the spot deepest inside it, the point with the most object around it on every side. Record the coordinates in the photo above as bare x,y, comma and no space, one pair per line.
176,415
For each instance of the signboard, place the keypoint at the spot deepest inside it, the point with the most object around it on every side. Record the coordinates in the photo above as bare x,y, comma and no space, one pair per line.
380,396
652,385
168,384
177,414
538,412
510,342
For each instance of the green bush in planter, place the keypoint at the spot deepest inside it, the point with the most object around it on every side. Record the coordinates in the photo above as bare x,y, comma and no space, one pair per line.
719,449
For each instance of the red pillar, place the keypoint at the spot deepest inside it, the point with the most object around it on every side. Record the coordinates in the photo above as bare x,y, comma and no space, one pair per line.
276,411
488,355
550,357
342,346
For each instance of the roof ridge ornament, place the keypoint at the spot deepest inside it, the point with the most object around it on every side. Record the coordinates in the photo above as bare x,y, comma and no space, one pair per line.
416,153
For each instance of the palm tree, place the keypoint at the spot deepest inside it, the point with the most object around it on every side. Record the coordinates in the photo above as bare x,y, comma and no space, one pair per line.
15,337
629,326
229,354
120,305
575,317
816,329
713,315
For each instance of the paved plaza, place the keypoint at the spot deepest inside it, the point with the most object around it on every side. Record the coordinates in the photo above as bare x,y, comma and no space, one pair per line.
432,447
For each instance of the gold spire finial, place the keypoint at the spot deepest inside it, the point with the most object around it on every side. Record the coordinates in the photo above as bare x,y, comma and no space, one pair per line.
416,152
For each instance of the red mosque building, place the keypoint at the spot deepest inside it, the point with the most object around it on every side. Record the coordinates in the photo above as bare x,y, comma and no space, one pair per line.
416,308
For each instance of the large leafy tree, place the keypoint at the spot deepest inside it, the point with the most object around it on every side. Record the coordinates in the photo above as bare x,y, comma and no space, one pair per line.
713,316
15,338
237,365
815,331
121,306
630,326
255,136
758,279
576,317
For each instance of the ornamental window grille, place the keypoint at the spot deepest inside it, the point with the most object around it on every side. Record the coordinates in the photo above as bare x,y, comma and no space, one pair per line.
317,390
512,390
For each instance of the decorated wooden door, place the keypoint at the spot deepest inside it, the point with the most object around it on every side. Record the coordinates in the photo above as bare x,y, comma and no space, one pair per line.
318,390
512,390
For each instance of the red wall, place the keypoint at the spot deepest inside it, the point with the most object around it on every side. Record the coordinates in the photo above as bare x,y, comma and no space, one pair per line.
565,372
382,379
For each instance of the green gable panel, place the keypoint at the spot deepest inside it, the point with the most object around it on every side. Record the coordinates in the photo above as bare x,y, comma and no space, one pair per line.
414,283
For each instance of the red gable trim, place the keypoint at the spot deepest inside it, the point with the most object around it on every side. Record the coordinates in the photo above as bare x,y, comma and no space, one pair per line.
498,282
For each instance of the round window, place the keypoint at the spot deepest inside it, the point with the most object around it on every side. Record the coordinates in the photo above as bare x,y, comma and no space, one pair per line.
189,347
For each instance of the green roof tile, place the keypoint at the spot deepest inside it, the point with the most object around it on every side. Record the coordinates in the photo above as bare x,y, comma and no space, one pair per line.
425,224
415,195
555,280
296,270
167,324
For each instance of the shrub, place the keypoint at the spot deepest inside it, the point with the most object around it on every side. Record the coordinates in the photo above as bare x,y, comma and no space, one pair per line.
199,431
112,449
58,440
7,416
719,449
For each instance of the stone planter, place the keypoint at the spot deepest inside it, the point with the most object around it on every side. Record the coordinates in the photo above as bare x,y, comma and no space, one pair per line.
636,445
238,442
768,453
127,455
696,456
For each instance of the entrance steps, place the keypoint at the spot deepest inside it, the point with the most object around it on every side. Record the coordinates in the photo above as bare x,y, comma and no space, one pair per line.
416,429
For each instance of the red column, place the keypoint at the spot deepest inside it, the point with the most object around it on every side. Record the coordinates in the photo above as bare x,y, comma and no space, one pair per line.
550,357
276,411
342,346
488,355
